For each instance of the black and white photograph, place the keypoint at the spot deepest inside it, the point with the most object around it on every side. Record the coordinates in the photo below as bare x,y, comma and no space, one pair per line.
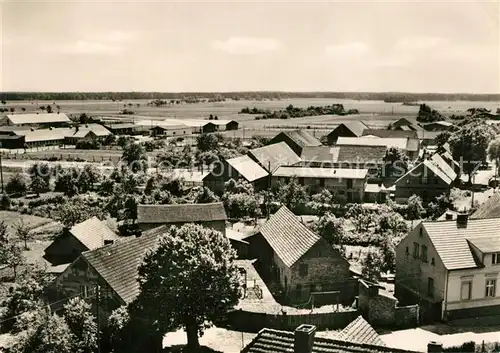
248,176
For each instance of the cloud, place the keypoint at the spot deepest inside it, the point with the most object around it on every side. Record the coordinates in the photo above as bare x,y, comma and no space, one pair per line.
88,47
348,50
246,45
419,43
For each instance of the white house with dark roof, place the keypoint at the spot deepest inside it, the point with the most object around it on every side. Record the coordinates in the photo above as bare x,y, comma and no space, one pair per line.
271,157
298,259
451,268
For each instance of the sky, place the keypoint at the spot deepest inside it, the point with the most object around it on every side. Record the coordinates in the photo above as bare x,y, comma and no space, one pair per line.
206,46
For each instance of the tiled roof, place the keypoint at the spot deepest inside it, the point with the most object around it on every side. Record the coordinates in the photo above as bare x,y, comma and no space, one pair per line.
447,175
274,341
451,243
288,237
401,122
360,331
444,166
248,168
302,138
45,134
487,244
92,233
328,173
320,153
118,264
369,154
273,156
428,135
97,129
374,141
46,118
182,213
386,133
489,209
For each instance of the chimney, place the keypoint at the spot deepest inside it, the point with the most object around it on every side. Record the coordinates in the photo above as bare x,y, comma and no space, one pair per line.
434,347
462,219
304,339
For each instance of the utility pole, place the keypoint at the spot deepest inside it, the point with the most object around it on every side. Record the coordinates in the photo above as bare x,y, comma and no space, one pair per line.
98,302
1,169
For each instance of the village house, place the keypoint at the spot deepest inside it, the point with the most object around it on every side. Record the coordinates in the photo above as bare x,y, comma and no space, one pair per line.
271,157
345,157
402,124
296,140
408,145
388,133
428,180
242,167
126,129
450,268
44,137
345,182
357,337
298,260
88,132
347,129
438,126
113,269
36,120
88,235
209,215
489,209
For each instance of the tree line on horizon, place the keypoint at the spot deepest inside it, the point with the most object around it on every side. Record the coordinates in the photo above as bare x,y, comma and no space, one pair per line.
390,97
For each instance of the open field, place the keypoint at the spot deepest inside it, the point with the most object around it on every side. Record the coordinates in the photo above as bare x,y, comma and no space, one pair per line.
229,109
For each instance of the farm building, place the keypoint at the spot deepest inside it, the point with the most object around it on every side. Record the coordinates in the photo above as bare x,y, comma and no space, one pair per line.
198,126
297,259
271,157
171,130
88,235
428,180
438,126
345,182
402,124
225,125
12,141
386,133
209,215
345,157
378,192
125,129
242,167
45,137
87,132
428,138
296,140
36,120
348,129
410,146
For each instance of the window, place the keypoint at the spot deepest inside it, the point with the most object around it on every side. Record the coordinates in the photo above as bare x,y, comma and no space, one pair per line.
433,262
430,287
495,259
322,182
423,255
491,286
416,250
465,293
303,269
85,291
349,183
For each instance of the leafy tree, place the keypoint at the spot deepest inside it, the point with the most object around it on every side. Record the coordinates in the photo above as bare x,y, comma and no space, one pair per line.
469,144
442,138
5,202
123,141
205,195
238,187
395,162
24,233
438,206
208,142
38,185
12,255
134,155
43,171
117,333
173,185
333,230
189,281
292,194
4,102
428,115
391,222
4,234
242,205
361,217
388,251
415,209
372,265
12,110
107,187
76,211
109,140
494,153
82,324
16,185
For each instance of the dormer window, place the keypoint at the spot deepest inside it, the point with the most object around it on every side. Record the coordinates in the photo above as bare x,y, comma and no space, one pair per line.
495,258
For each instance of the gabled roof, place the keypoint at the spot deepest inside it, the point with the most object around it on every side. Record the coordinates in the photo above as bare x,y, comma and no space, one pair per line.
45,134
356,127
428,135
321,173
274,341
386,133
247,167
181,213
320,153
46,118
401,122
489,209
486,244
92,233
360,331
301,137
118,264
451,242
288,237
121,126
97,129
444,166
362,154
447,175
273,156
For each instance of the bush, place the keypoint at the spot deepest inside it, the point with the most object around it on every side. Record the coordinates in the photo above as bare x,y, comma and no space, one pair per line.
5,202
